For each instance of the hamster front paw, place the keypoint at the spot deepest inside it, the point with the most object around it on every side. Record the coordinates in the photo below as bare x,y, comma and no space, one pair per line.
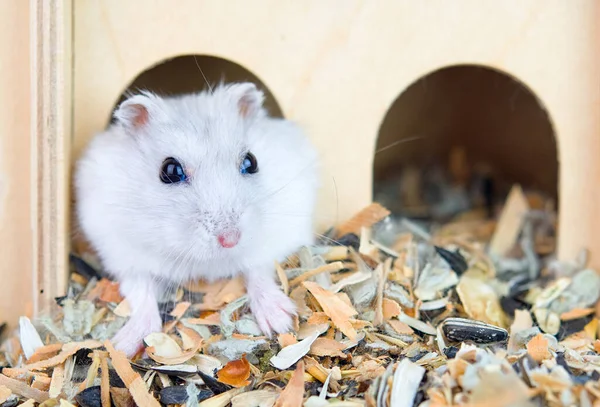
129,339
272,309
144,319
273,313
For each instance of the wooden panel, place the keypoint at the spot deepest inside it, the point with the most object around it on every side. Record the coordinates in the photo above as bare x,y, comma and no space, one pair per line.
51,116
337,67
16,296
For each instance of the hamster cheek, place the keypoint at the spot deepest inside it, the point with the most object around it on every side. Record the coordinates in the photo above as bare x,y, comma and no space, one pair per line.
250,224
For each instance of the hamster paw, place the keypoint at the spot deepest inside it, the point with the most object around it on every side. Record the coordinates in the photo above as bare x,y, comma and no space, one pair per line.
273,311
129,339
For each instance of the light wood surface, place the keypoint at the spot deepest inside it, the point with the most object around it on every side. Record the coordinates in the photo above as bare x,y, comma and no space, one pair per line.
16,261
51,115
338,66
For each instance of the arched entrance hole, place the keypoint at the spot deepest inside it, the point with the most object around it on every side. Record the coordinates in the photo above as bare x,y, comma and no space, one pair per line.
193,73
458,139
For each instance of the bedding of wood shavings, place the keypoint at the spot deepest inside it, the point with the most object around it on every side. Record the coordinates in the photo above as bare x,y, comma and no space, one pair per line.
475,313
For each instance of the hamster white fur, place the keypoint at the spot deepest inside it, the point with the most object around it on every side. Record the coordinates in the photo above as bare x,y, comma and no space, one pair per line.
217,222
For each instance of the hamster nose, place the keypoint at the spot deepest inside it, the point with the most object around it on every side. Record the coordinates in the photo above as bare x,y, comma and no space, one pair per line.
229,238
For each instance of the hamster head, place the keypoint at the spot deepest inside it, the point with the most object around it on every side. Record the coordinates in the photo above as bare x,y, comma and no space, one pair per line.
191,177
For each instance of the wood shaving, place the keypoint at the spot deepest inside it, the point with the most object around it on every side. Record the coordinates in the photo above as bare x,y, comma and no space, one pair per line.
363,219
392,323
22,389
293,393
537,348
335,308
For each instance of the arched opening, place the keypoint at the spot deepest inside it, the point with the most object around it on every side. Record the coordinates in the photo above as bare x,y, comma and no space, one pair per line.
193,73
457,139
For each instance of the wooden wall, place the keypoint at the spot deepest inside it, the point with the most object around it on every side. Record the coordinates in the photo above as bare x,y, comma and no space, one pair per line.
340,77
16,249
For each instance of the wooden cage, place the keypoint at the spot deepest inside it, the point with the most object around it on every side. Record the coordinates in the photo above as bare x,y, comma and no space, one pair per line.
336,67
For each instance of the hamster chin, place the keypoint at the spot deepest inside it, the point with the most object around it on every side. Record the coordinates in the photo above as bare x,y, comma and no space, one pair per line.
200,186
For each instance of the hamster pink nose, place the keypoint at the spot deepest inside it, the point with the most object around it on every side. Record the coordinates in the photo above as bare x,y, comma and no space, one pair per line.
229,238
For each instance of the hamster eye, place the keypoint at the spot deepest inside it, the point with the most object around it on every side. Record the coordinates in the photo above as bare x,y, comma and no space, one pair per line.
172,171
249,164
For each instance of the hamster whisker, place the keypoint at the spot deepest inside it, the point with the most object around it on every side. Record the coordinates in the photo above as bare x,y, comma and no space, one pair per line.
270,194
398,142
210,88
327,238
183,260
337,202
299,215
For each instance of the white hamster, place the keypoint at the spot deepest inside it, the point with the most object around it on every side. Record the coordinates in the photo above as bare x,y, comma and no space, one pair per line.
199,186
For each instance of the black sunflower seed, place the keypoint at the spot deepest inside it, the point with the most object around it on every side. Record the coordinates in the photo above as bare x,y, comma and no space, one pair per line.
455,260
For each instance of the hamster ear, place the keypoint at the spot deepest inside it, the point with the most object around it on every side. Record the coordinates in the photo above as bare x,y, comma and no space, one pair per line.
249,99
137,111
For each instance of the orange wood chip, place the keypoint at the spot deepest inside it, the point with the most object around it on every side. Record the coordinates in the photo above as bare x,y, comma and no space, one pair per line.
235,373
233,290
359,323
104,382
327,347
202,286
285,285
537,348
400,327
457,368
326,268
365,218
391,309
248,337
23,389
318,318
370,369
68,349
180,309
286,339
45,352
105,290
220,293
591,329
41,383
293,394
5,393
131,379
16,373
576,313
334,307
210,319
177,312
111,293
